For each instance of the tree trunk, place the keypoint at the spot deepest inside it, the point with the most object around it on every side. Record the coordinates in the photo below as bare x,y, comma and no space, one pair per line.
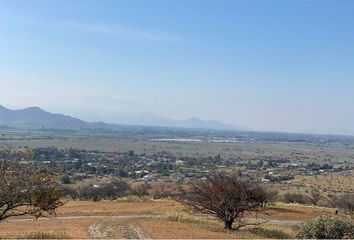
228,224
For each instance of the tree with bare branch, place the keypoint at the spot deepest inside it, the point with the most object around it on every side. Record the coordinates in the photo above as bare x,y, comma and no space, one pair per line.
27,190
227,198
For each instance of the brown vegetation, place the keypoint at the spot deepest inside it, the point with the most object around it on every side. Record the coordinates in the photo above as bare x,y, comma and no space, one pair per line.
27,191
226,197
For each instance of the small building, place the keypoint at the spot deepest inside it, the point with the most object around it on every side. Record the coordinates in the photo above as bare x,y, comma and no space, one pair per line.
148,177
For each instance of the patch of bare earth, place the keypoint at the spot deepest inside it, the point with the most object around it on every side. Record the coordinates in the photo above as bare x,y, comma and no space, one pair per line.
115,208
135,232
110,228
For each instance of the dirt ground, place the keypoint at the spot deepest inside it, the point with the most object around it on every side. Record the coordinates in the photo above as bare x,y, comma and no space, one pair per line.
146,220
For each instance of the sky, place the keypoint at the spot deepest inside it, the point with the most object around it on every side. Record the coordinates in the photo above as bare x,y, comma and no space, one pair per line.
264,65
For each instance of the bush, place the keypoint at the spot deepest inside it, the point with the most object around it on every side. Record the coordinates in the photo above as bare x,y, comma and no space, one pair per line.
70,192
65,179
160,193
296,198
271,196
325,228
142,190
110,191
315,197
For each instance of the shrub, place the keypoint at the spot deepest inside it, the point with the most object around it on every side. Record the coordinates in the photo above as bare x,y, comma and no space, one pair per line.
315,197
142,189
65,179
296,198
70,192
271,196
325,228
160,193
110,191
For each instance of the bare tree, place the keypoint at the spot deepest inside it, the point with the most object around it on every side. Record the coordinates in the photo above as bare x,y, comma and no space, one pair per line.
315,197
27,190
300,198
345,202
226,197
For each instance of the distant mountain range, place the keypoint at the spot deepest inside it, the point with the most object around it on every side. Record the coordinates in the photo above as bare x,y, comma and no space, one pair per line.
153,119
37,118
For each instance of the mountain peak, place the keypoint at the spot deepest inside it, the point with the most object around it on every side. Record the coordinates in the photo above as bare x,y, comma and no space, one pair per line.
35,117
195,119
34,109
4,109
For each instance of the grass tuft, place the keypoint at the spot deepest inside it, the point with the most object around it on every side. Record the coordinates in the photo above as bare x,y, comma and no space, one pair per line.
204,222
45,235
180,217
134,198
269,233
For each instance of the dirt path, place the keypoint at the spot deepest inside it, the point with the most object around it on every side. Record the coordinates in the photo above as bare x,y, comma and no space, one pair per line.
85,217
272,221
108,229
135,232
101,230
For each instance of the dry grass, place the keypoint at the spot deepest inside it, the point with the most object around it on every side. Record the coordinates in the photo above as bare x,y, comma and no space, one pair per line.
269,233
73,228
295,212
45,235
170,230
334,183
115,208
156,219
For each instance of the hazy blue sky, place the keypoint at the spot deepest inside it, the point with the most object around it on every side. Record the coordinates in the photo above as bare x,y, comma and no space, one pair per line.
284,65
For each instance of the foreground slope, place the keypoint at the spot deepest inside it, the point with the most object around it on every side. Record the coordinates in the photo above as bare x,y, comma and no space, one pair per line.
139,220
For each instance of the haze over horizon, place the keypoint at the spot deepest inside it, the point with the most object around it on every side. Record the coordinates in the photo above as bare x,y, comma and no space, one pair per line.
284,66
